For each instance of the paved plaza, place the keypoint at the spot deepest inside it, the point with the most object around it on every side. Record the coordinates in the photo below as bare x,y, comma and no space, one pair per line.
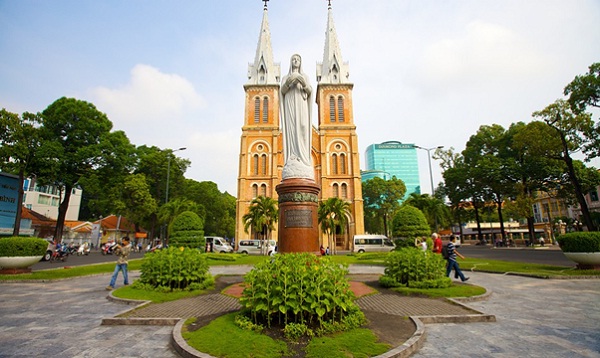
535,318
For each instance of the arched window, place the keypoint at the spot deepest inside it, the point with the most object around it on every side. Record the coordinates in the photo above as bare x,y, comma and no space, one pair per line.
336,190
255,164
332,109
254,190
340,109
263,164
334,163
256,110
344,191
263,190
265,112
343,163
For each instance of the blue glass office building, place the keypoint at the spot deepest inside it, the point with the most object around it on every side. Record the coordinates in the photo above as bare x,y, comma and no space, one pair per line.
393,158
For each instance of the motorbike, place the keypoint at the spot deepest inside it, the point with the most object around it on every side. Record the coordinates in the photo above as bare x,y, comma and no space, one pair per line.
83,250
60,254
108,248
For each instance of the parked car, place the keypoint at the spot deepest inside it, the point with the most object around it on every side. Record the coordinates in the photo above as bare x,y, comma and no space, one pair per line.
253,247
372,243
49,250
218,244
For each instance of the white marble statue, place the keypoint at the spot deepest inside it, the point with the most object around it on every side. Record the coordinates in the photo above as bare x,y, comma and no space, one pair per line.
296,111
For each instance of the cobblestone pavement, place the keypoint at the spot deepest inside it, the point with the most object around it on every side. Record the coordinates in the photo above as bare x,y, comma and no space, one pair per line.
535,318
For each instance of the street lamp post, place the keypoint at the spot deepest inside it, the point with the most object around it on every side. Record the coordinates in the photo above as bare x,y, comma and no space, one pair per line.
168,176
429,159
169,171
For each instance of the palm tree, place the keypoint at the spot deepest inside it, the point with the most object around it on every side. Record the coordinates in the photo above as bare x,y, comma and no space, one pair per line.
261,217
333,213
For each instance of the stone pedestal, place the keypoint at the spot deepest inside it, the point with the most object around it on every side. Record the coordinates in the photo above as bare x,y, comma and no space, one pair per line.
298,222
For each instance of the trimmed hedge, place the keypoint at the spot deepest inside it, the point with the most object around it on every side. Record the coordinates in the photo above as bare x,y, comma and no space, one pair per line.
412,267
22,246
580,241
187,231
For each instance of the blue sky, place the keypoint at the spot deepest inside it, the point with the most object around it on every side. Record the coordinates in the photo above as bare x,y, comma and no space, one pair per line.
171,73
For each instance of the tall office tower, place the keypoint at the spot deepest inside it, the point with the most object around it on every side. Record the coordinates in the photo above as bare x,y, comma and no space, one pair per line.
393,158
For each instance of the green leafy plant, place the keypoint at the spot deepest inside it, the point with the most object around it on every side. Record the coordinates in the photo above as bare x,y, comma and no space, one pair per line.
300,289
175,268
414,268
22,246
580,241
187,230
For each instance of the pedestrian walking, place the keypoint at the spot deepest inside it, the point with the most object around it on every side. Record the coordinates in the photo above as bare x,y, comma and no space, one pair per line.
437,243
452,264
122,251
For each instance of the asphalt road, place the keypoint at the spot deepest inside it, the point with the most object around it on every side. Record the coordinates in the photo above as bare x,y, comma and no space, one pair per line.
550,255
94,257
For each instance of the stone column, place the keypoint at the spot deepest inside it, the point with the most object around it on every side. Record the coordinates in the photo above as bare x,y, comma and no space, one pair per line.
298,221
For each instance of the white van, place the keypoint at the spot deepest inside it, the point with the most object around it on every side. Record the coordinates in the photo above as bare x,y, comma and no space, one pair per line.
253,247
372,243
218,244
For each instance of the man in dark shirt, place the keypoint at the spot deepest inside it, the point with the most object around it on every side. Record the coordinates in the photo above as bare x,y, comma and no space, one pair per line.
452,264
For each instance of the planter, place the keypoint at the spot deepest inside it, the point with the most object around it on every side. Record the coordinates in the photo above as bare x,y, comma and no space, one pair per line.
585,260
18,262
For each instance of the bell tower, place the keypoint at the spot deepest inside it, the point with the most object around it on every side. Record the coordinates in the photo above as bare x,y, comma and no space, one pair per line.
340,165
260,160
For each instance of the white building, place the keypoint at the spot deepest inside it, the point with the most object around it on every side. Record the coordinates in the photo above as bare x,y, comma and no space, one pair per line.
46,200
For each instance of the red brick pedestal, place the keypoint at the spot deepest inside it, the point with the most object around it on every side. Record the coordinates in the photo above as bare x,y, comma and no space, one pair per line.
298,223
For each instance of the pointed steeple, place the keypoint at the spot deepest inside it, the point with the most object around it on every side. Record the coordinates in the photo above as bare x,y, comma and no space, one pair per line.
332,69
263,71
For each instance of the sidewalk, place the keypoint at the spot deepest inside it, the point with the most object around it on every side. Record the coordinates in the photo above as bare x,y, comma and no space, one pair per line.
535,318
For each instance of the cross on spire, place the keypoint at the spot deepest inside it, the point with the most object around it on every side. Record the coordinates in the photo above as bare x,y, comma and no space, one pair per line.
329,4
265,1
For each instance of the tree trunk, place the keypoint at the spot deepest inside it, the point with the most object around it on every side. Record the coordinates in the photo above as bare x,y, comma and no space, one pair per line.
585,212
62,214
477,219
17,226
501,219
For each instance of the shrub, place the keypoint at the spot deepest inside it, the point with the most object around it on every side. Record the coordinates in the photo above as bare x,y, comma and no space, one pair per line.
187,231
580,241
175,269
410,222
415,268
302,289
22,246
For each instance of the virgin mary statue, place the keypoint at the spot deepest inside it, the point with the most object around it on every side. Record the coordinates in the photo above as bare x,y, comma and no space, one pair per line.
296,112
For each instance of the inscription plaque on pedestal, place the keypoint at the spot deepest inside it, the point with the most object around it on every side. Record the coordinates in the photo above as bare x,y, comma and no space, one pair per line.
298,218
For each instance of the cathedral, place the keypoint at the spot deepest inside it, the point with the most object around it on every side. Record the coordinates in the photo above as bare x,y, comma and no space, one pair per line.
334,141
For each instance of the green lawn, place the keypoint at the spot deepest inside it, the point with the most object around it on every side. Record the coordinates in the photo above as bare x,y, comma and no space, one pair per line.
223,338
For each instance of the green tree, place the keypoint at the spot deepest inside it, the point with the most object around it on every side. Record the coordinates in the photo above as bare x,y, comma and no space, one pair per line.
156,164
410,223
136,203
102,187
74,134
570,133
487,154
584,90
382,198
169,211
333,216
218,208
434,209
261,218
19,142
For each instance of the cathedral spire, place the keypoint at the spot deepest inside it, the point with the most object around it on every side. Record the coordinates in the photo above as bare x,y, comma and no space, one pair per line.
263,71
332,69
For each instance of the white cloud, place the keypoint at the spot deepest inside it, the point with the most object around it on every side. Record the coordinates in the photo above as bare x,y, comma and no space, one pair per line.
149,96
